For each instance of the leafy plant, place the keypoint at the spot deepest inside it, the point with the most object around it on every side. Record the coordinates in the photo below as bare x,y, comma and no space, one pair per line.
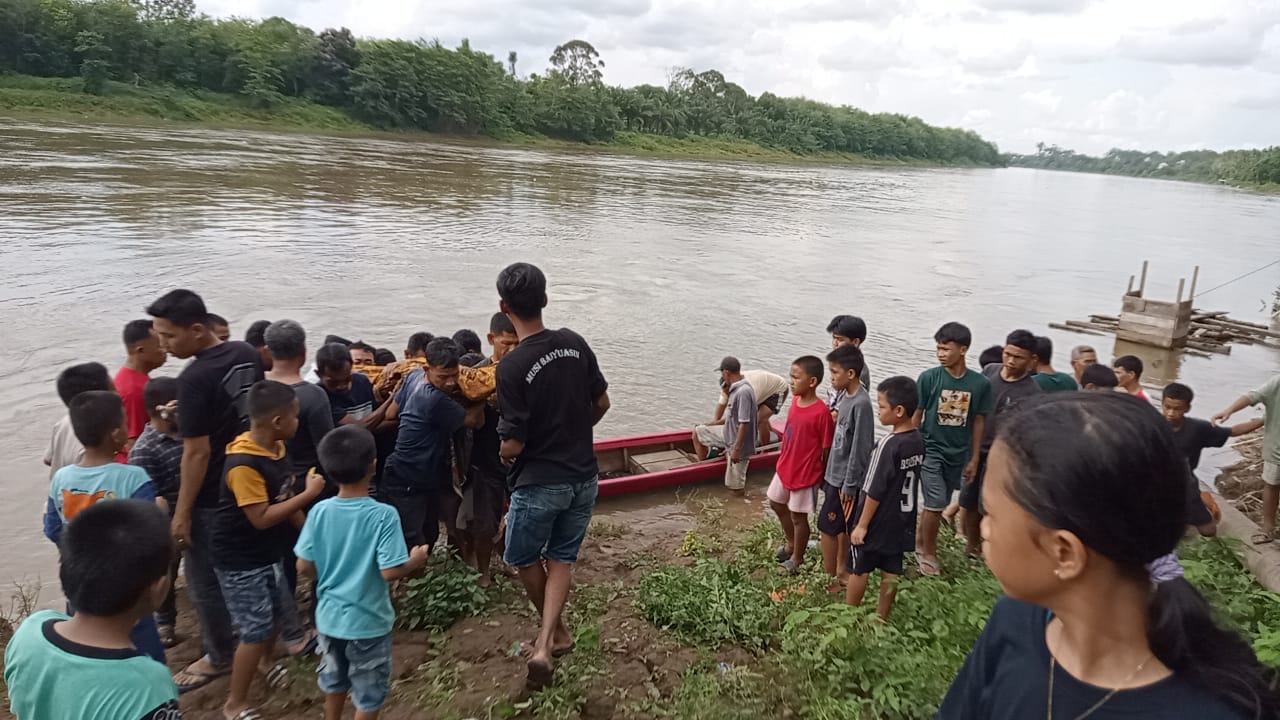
446,593
710,603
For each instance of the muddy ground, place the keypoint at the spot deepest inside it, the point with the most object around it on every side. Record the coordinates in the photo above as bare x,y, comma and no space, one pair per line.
1241,481
475,668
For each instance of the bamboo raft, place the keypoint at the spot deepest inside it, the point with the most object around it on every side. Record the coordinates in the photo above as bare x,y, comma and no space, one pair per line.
1212,333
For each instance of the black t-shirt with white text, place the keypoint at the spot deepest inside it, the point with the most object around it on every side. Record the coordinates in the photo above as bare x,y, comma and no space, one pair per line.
893,477
1006,677
213,398
547,389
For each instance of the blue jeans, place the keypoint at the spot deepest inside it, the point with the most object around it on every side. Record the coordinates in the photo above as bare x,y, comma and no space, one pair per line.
360,666
549,521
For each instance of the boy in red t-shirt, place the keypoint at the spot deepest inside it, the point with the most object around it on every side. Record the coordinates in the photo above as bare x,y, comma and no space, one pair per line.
145,355
793,494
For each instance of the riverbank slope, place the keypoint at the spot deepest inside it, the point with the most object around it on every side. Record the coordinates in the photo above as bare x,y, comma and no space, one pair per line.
63,100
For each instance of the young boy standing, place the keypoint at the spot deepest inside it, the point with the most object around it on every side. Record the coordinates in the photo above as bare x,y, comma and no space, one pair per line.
886,513
64,448
954,402
793,494
1129,375
847,330
144,355
158,451
851,448
354,546
114,567
254,529
97,417
1269,397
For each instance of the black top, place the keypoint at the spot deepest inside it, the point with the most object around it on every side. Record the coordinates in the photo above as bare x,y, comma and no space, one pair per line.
1196,435
892,480
237,544
1004,395
356,402
213,394
1006,677
547,389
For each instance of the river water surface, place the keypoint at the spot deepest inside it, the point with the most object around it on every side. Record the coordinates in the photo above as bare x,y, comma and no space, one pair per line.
664,266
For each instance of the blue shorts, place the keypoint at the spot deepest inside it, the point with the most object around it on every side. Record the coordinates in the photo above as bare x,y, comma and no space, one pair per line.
258,601
549,521
939,480
362,667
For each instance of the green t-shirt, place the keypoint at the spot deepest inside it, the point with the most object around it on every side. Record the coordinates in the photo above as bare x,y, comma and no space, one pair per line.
949,405
1269,396
51,677
1055,382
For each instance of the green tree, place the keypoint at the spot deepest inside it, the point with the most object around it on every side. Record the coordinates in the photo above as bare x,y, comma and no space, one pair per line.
336,56
94,66
577,63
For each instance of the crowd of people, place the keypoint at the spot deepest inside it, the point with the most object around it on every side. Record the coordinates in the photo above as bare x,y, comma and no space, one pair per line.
261,463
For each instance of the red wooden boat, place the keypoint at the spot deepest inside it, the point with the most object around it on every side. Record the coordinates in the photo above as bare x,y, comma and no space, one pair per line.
649,462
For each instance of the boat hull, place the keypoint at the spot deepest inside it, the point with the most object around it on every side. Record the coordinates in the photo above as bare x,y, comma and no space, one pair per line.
614,457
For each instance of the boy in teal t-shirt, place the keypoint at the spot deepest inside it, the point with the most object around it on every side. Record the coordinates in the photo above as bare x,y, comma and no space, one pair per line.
115,571
354,545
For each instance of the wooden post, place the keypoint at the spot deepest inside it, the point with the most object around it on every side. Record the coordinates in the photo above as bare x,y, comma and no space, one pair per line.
1181,283
1195,277
1142,285
1130,290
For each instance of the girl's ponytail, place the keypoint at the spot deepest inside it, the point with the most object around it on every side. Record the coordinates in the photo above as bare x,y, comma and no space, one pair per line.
1185,637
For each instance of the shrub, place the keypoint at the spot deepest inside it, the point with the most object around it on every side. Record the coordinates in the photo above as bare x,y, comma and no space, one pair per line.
447,593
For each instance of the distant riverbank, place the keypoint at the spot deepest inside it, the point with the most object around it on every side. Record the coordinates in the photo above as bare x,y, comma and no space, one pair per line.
63,99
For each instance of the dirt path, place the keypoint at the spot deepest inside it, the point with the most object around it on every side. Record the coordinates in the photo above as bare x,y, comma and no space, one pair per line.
1241,482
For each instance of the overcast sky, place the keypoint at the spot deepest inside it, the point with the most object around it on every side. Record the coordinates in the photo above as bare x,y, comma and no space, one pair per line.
1085,74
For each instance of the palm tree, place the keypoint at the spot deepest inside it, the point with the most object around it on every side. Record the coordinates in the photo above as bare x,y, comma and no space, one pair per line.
511,62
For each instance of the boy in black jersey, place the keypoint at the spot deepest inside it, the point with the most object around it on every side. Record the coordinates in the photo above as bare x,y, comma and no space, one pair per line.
886,510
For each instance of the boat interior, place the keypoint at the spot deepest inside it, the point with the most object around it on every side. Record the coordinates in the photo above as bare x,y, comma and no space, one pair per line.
652,458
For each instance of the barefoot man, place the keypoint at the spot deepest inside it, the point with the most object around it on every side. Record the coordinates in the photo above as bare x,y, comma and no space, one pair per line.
550,395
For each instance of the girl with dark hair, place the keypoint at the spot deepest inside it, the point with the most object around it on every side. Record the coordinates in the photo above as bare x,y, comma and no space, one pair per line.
1085,503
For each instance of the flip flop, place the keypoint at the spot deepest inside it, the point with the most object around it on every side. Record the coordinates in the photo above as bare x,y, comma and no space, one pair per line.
304,646
540,674
789,567
782,555
526,649
249,714
202,678
1261,538
929,568
277,678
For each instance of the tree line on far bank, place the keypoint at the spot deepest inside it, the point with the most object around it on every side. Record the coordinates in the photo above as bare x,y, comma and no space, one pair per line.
424,85
1245,167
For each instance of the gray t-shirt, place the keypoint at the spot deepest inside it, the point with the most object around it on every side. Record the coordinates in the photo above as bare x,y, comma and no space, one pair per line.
835,397
1004,395
853,443
740,411
314,422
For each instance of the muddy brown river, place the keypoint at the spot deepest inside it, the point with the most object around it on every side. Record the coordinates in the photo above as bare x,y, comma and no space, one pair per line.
663,265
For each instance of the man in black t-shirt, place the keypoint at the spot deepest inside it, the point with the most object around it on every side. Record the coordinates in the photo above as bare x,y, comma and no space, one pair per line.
212,400
1191,436
550,395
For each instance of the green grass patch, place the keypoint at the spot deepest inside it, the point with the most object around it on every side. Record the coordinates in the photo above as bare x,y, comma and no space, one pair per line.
445,593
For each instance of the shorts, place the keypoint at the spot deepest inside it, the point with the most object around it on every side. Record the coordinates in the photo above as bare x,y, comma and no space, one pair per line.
735,474
711,436
775,402
939,480
258,601
362,667
549,522
480,512
419,515
834,518
863,561
803,501
971,493
1271,473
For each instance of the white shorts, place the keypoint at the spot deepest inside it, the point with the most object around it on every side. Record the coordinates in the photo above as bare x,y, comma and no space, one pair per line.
797,501
1271,473
735,474
711,436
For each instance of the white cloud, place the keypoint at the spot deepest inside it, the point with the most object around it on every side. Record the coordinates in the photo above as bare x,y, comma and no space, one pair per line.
1087,74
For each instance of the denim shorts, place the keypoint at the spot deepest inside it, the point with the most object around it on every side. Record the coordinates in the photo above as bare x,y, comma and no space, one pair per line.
362,667
258,601
939,480
549,521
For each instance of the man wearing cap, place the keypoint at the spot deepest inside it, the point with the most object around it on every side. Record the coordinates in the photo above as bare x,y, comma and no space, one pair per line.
769,396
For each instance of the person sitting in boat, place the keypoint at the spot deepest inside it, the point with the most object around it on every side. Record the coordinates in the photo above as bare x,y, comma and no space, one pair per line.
770,391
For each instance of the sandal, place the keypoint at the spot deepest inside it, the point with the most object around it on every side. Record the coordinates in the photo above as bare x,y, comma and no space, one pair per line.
168,636
540,674
782,555
789,567
304,646
248,714
277,678
929,568
198,679
1261,538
